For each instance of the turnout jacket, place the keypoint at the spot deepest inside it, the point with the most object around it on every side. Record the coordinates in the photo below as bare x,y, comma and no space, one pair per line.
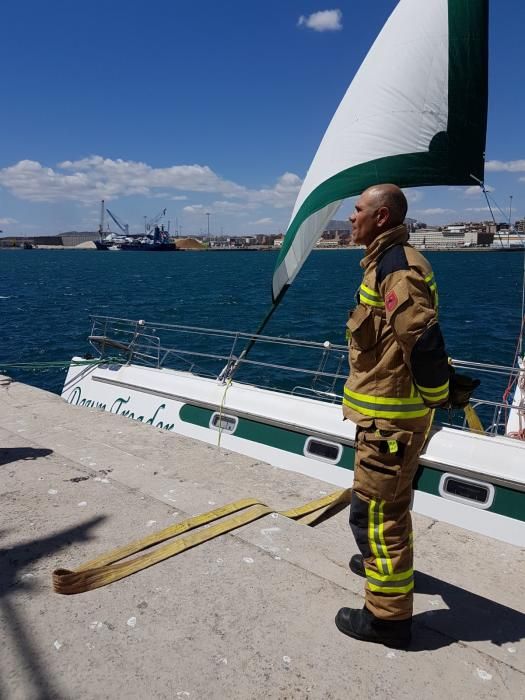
398,364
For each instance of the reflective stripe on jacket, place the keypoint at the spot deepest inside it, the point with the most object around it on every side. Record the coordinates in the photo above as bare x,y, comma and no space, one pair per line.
399,366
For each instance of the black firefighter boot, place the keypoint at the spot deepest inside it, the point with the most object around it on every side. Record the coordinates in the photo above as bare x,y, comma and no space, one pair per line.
357,565
363,625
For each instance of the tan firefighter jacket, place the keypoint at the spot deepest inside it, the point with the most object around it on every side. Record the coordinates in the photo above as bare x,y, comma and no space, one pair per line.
398,364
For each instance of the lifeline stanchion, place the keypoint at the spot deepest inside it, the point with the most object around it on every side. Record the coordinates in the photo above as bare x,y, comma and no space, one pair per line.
105,569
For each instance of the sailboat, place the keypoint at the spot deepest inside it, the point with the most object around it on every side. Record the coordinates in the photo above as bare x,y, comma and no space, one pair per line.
414,114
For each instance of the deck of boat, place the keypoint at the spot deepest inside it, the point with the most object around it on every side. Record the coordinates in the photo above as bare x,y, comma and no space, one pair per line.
247,615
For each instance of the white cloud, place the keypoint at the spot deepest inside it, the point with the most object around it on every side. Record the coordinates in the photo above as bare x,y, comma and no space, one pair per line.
95,178
266,220
472,191
194,209
413,196
476,191
478,209
435,211
227,207
133,175
179,198
160,195
7,221
91,179
282,195
221,207
323,21
511,166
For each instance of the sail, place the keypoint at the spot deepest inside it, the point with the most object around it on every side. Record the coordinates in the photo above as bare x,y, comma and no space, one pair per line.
415,114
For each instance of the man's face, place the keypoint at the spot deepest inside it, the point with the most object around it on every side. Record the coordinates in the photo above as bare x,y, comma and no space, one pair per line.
365,219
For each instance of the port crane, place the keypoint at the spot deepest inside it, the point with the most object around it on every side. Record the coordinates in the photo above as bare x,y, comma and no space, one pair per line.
149,224
122,226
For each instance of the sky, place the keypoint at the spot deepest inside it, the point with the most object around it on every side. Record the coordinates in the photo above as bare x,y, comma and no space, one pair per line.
205,107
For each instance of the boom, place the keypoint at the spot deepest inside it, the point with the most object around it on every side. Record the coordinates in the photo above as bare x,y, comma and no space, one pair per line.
122,226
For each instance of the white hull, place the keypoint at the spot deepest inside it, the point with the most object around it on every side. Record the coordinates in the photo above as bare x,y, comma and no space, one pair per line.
183,403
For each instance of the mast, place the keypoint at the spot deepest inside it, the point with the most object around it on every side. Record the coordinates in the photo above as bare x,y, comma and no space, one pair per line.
101,224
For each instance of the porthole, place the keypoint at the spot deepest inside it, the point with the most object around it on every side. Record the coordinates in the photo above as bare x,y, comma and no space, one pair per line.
323,450
468,491
224,422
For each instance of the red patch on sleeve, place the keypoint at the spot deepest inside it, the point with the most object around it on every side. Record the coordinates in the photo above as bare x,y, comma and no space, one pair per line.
391,301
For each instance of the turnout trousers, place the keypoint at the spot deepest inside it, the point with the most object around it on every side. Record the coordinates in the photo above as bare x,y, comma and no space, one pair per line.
385,465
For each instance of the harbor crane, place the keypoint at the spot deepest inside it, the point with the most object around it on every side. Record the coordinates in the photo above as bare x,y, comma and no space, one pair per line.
122,226
149,224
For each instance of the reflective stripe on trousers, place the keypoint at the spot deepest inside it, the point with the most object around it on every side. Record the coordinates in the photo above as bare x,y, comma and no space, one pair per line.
386,581
380,518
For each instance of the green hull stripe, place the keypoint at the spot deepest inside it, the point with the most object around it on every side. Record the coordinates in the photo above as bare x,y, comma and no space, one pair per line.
452,155
280,438
507,502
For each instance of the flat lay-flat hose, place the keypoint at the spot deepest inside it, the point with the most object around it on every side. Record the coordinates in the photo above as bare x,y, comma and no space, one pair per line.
110,567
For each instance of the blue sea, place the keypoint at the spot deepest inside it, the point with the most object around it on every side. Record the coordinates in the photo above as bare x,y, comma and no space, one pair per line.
48,296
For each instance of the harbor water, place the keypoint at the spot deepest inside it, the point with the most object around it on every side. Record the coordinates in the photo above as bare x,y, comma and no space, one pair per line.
47,298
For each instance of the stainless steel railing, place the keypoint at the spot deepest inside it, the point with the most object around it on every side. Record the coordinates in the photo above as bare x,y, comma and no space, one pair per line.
301,367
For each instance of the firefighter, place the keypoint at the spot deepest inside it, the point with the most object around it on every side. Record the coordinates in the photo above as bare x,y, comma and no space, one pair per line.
399,373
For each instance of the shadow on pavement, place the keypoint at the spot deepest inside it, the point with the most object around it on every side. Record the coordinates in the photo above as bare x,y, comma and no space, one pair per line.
15,454
12,561
470,618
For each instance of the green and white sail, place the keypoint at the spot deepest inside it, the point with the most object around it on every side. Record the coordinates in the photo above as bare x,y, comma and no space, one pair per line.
415,115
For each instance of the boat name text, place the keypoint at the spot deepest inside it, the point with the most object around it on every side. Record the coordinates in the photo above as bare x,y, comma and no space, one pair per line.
120,408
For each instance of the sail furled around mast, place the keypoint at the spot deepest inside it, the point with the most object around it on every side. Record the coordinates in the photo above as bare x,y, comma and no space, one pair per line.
415,114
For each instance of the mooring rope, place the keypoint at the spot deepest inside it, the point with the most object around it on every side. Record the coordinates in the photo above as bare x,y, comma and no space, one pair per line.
56,363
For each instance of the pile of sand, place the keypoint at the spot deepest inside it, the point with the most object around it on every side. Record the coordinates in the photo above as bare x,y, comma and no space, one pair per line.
86,244
189,244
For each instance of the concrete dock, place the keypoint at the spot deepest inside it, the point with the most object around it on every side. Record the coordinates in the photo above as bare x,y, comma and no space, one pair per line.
247,615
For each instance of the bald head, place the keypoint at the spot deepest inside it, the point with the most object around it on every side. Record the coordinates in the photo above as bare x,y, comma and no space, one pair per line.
378,209
391,197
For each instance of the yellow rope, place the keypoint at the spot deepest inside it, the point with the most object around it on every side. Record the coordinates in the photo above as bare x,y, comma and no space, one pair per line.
473,420
228,385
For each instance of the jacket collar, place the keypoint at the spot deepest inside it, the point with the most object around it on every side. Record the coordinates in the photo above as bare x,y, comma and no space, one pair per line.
393,236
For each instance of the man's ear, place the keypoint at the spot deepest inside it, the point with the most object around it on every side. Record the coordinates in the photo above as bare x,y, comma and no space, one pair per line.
383,214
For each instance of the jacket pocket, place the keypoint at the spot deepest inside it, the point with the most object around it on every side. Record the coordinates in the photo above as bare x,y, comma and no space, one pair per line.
364,328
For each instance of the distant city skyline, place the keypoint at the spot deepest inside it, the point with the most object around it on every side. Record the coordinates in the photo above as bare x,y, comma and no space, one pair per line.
212,112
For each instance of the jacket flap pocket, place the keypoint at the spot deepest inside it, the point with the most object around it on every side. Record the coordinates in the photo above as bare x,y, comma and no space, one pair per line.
364,326
358,316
